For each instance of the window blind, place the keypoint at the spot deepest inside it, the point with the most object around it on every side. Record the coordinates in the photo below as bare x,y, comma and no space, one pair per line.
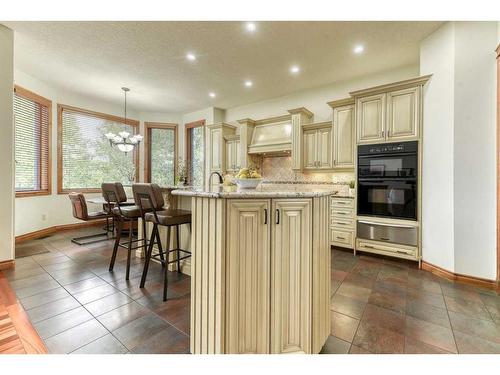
162,156
32,122
86,157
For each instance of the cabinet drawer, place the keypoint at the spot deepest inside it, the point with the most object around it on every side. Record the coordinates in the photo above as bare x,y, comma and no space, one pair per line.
341,237
387,249
341,212
341,203
341,223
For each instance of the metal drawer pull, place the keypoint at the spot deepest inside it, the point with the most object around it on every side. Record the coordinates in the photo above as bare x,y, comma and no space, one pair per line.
401,252
340,238
265,215
387,225
369,246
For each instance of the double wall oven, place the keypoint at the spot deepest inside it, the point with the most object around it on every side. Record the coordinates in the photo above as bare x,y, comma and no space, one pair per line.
387,188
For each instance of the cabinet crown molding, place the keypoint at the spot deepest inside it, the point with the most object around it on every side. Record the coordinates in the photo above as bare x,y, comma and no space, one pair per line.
418,81
246,121
303,110
221,125
341,102
317,125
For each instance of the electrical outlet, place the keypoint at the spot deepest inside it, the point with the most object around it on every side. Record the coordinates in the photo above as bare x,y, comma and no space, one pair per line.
44,217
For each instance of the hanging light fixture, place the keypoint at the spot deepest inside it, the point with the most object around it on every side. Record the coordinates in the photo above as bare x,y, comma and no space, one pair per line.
122,140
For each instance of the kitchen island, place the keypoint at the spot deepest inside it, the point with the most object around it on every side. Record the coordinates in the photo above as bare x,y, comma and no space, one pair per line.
260,269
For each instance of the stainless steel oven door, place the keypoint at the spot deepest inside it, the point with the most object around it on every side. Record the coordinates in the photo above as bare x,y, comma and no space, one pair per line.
392,233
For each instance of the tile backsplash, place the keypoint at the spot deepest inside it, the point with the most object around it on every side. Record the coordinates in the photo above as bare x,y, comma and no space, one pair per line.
279,169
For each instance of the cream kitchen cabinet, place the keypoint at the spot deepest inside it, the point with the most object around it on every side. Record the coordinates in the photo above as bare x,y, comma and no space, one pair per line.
260,272
389,113
233,154
343,134
215,146
317,140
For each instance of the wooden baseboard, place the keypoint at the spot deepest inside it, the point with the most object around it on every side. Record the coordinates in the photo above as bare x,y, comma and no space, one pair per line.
48,231
7,264
466,279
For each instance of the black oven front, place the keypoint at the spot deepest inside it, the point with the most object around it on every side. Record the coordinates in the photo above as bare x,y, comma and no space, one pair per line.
388,180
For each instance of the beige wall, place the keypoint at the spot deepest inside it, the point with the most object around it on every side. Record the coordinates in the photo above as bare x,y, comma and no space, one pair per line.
6,144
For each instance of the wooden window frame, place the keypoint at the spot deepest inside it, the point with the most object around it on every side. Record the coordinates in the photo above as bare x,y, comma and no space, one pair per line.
104,116
187,142
30,95
148,126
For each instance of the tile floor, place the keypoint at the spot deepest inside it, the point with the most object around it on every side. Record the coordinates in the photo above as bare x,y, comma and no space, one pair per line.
377,305
384,306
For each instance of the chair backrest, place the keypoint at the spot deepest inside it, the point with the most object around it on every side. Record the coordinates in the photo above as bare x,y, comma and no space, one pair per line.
79,206
113,192
148,196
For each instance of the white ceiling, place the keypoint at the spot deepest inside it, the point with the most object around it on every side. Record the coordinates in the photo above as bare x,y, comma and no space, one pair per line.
97,58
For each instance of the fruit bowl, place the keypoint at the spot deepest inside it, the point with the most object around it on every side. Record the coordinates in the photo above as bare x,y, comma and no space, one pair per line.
248,183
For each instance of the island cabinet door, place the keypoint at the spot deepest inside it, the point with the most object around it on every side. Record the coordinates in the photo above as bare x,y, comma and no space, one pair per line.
248,276
291,258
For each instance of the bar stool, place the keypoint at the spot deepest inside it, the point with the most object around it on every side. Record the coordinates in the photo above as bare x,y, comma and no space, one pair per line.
115,197
150,196
80,211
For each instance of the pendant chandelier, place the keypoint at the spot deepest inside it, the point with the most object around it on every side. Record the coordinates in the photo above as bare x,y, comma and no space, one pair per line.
123,141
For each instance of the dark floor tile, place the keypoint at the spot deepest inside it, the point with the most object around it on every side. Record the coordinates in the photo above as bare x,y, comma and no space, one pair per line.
44,297
360,280
168,340
428,313
83,285
398,278
475,345
51,309
366,269
460,291
94,294
471,308
358,350
30,281
354,291
413,346
424,285
388,300
376,339
175,309
62,322
181,287
155,299
422,297
19,273
485,329
76,337
74,277
494,312
108,303
105,345
139,330
384,318
334,285
338,275
342,326
347,305
334,345
490,300
184,323
430,333
122,315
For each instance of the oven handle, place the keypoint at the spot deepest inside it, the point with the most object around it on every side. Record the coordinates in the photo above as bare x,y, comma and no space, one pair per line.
386,225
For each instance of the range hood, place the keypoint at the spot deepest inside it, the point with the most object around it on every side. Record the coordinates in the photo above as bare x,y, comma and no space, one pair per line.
273,136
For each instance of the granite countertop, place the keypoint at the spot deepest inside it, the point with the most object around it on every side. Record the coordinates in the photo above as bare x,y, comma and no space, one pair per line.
262,191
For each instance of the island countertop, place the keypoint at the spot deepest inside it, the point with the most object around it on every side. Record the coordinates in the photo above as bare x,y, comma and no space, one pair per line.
262,191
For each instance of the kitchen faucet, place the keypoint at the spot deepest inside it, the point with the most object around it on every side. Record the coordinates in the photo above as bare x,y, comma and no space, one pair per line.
221,180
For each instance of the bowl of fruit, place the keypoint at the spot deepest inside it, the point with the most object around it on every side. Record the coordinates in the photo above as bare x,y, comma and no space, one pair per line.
248,178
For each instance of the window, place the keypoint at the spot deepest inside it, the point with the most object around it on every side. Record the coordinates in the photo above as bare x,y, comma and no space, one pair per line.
85,157
195,149
32,119
161,153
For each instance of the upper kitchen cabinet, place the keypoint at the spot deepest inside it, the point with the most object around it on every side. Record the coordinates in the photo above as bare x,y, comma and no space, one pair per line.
317,146
391,112
215,146
299,117
343,133
233,153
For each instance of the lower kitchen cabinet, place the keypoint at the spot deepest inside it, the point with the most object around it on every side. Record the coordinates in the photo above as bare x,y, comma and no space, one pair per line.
260,275
342,223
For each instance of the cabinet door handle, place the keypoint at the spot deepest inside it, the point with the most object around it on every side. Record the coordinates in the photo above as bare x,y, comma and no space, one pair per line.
383,132
369,247
340,238
277,216
265,215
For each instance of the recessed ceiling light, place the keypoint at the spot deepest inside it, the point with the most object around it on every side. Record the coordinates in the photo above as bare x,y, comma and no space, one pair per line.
211,94
359,49
251,27
294,69
248,83
191,56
